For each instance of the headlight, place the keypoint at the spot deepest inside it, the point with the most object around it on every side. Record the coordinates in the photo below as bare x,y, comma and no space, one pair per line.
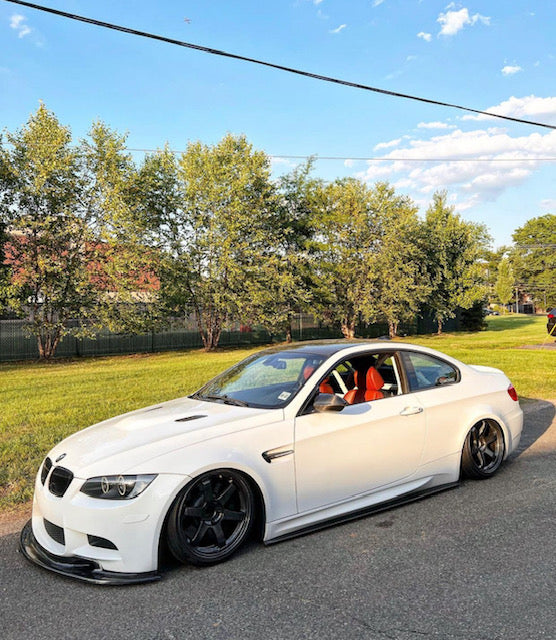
117,487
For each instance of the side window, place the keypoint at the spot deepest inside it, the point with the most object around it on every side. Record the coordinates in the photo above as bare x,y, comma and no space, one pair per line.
389,372
426,372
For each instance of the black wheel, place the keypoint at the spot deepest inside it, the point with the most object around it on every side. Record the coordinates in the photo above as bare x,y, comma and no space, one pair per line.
211,517
483,450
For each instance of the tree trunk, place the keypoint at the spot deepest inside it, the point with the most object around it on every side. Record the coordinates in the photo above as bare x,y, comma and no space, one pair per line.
211,333
289,333
392,328
47,343
439,327
348,328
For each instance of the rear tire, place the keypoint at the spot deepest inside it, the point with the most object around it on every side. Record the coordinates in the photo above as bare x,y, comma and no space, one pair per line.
483,451
211,518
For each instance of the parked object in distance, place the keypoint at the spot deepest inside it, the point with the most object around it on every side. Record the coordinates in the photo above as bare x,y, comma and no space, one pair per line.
551,322
288,440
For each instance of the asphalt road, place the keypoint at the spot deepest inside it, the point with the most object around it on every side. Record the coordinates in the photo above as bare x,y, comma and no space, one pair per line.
477,562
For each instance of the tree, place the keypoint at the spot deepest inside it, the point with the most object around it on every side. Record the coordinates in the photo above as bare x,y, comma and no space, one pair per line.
504,282
49,244
126,269
344,241
222,236
287,290
453,248
74,247
402,283
489,262
534,259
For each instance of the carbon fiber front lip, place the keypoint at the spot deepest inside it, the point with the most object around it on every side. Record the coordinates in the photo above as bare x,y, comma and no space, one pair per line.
78,568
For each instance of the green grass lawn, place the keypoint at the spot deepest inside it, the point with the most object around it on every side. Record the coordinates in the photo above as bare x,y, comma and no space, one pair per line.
42,403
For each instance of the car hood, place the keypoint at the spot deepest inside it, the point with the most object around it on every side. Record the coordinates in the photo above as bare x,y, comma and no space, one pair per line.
116,445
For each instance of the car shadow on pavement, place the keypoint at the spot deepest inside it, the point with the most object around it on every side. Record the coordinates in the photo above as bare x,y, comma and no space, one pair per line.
538,416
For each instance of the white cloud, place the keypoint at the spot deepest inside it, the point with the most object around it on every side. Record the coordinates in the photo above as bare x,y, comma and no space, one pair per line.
338,29
528,106
426,36
435,125
548,204
478,166
17,22
349,163
453,21
377,3
278,164
388,145
317,1
509,69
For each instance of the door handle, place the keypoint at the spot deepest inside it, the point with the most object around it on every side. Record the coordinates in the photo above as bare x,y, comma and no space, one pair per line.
410,411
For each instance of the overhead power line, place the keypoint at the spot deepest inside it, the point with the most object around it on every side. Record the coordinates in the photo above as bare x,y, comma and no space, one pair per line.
376,158
316,157
307,74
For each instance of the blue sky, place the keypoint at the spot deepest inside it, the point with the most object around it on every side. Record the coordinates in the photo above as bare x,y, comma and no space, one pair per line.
488,55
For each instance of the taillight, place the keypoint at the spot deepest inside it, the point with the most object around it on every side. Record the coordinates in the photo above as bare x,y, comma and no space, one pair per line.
551,315
512,392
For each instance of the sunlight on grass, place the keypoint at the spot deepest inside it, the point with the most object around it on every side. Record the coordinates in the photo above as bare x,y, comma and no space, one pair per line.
43,403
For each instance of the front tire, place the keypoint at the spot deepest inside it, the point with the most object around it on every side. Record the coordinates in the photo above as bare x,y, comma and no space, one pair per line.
211,518
483,451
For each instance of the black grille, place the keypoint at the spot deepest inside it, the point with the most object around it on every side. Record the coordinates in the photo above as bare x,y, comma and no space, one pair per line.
46,466
60,480
55,532
103,543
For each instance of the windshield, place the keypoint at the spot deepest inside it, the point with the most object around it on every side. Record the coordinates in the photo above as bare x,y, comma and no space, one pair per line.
268,380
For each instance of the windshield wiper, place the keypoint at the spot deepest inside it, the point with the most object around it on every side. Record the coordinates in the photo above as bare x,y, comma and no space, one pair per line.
224,398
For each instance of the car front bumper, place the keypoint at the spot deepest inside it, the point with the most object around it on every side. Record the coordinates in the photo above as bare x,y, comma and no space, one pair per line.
98,540
74,567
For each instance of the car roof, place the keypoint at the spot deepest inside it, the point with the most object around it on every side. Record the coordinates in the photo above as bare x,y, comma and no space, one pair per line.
328,348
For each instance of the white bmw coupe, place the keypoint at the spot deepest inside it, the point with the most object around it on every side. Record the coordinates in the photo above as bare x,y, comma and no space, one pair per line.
289,440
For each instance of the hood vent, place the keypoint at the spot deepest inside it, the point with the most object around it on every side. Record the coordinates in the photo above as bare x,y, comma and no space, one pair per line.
188,418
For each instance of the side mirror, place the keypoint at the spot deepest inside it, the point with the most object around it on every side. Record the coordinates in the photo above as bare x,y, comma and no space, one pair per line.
328,402
442,380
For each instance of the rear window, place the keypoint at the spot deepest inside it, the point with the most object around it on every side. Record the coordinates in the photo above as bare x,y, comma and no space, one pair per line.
426,372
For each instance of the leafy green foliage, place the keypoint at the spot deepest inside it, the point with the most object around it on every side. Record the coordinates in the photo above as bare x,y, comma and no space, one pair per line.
222,251
74,247
96,241
402,281
288,290
341,263
454,247
50,242
534,259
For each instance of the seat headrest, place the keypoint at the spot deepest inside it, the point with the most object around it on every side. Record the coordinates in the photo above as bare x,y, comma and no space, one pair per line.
374,380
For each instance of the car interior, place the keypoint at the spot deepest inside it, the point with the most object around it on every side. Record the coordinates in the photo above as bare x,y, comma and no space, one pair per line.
362,379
